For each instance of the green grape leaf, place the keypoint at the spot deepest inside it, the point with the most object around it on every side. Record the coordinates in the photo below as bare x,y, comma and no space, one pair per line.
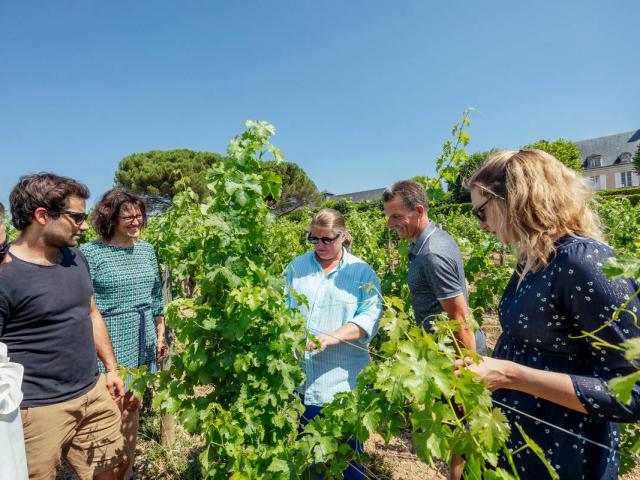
535,448
622,387
632,348
278,465
622,266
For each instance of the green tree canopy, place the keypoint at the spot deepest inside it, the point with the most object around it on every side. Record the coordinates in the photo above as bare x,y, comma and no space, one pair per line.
297,188
156,172
459,194
564,150
636,160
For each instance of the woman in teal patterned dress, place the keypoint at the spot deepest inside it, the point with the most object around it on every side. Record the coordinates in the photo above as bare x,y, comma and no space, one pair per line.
128,292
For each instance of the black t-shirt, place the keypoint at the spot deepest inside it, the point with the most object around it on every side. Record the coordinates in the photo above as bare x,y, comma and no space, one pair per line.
45,323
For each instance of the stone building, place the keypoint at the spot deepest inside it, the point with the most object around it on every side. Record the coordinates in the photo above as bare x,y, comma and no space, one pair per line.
608,161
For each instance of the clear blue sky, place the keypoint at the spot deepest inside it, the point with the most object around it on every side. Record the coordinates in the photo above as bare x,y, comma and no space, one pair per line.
362,92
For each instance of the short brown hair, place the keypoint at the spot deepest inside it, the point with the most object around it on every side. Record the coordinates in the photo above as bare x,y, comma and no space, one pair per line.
1,210
107,211
42,190
411,192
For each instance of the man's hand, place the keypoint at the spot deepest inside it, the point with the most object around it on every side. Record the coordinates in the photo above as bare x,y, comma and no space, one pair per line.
115,385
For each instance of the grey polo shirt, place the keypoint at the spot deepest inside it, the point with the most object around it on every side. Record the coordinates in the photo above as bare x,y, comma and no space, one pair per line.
436,272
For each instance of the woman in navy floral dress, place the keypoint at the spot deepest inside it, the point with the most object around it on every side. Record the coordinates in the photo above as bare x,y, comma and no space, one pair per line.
543,365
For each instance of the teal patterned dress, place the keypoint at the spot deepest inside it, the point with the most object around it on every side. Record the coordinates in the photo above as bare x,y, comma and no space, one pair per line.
128,293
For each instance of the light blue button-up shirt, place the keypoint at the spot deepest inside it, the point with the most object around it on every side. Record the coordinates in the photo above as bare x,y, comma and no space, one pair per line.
350,293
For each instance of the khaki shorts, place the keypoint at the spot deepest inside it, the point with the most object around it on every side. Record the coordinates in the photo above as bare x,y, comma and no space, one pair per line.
85,431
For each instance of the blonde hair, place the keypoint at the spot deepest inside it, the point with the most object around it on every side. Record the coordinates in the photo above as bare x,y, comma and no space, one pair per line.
539,200
334,221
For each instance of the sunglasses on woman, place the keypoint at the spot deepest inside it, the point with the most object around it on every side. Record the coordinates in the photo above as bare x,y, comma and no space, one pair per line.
479,212
325,240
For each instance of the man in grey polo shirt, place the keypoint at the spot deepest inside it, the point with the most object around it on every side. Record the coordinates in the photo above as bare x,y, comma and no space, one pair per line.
436,273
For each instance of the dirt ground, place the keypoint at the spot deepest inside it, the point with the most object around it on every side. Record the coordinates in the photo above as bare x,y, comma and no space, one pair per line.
396,461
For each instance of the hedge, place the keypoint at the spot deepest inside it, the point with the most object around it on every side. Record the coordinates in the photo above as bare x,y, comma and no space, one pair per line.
633,199
445,209
619,191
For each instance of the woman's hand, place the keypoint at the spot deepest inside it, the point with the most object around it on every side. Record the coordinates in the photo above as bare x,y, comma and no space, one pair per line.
494,372
555,387
325,341
130,402
162,349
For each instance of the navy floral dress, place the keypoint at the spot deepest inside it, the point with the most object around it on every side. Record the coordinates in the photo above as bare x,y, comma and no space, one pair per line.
538,319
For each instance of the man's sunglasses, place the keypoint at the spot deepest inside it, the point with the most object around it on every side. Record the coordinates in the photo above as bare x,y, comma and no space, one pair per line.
325,240
77,217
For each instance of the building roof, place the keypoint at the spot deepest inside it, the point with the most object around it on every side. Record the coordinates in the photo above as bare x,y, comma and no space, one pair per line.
610,147
366,195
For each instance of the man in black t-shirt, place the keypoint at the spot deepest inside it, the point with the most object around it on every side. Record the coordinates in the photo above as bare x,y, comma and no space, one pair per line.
50,324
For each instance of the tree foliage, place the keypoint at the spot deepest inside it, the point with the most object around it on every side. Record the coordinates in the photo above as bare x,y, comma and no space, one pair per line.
459,194
297,188
564,150
157,172
636,160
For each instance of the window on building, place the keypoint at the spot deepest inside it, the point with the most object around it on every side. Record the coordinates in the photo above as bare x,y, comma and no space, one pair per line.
626,179
598,182
625,157
594,161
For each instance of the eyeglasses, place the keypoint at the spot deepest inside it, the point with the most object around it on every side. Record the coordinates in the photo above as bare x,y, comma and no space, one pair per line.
479,212
325,240
78,217
131,218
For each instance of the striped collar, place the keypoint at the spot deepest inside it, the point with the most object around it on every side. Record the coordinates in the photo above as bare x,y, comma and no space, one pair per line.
416,247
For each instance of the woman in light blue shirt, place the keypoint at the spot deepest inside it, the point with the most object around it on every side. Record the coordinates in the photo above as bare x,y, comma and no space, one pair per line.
343,311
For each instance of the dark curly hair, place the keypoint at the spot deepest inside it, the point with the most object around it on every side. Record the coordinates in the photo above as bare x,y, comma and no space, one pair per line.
42,190
107,211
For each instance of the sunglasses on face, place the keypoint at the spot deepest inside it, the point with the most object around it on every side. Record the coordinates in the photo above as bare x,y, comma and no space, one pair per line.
479,212
78,217
325,240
